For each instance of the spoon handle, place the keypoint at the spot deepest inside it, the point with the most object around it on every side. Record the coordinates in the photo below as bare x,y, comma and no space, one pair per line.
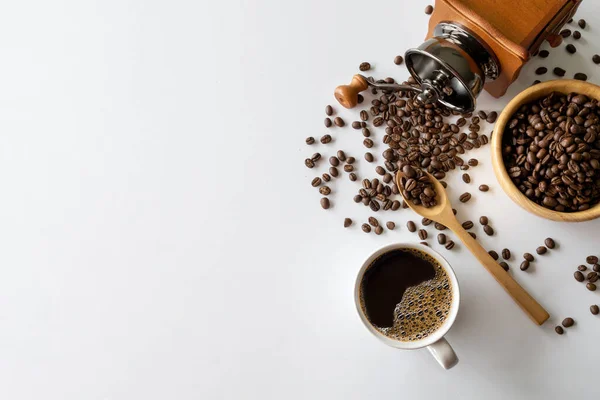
527,303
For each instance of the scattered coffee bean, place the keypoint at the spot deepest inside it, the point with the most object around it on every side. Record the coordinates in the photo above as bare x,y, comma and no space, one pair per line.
390,225
491,117
559,72
582,268
565,33
449,245
360,98
373,221
366,132
364,66
352,177
466,178
429,9
568,322
368,157
484,188
329,110
591,287
338,121
422,234
482,114
316,157
341,155
596,267
398,60
549,242
591,259
347,222
493,254
594,309
483,220
579,276
357,198
541,250
316,182
536,82
328,122
571,48
366,228
581,23
310,140
326,177
333,171
488,230
465,197
364,116
356,125
325,139
592,277
504,266
441,238
374,206
439,226
309,163
524,265
580,76
558,329
541,70
543,53
325,203
411,226
348,168
325,190
378,230
596,59
467,225
506,254
576,35
426,221
368,143
350,160
380,170
528,257
333,160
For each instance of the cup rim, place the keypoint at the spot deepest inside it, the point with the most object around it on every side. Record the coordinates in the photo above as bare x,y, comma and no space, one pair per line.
438,334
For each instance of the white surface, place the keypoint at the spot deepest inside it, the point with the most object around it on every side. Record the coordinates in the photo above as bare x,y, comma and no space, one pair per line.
161,239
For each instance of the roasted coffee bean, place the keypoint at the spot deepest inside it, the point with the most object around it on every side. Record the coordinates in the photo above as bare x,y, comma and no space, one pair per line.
366,132
579,276
347,222
429,9
426,221
395,205
326,177
338,121
504,266
329,110
582,268
536,82
356,125
348,167
596,267
333,160
350,160
483,220
441,238
596,59
439,226
488,230
466,178
422,234
591,287
528,257
364,66
484,188
352,177
310,140
592,277
325,190
591,259
565,33
473,162
374,205
524,265
559,72
373,221
368,143
325,203
333,171
541,250
581,23
360,98
449,245
380,170
390,225
541,70
368,157
465,197
543,53
467,224
549,242
571,48
325,139
558,329
594,309
328,122
398,60
316,182
316,157
506,254
387,178
364,116
411,226
378,230
493,254
357,198
366,228
473,235
568,322
309,163
482,114
341,155
580,76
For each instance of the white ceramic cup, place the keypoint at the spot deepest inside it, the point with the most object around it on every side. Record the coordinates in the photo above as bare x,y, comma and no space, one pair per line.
439,347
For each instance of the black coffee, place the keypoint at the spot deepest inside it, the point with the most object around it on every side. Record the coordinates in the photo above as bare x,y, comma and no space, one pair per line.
406,294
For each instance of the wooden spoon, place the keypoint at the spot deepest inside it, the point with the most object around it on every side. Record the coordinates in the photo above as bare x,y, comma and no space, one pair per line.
442,213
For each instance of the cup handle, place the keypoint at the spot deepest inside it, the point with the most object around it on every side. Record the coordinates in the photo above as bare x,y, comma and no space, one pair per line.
443,353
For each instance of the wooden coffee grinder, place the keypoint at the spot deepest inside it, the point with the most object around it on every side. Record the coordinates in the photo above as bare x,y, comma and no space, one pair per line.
473,45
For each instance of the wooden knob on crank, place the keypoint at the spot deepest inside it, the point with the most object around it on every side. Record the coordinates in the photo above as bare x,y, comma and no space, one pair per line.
347,95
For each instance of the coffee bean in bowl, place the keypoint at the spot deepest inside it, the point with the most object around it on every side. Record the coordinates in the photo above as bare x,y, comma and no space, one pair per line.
546,150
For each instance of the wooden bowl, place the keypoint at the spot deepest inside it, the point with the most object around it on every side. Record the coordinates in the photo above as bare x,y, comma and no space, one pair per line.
535,92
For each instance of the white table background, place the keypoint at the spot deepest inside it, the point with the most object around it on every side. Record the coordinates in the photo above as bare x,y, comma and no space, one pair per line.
161,240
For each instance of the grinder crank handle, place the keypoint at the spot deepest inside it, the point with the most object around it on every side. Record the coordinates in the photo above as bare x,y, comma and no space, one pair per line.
347,95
